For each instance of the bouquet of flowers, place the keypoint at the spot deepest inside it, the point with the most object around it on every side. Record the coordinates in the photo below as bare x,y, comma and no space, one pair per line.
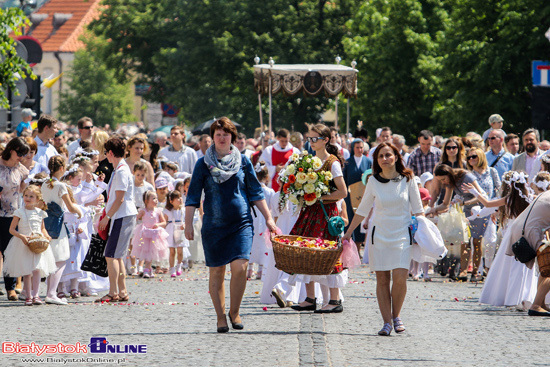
301,183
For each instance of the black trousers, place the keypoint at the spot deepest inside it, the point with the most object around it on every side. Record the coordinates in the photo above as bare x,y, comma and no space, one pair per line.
5,237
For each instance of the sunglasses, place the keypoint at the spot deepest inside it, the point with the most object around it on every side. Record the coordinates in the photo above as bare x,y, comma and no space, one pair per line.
451,148
315,139
492,138
87,127
472,157
21,155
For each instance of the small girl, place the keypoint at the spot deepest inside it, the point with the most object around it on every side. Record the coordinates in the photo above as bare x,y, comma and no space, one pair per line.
20,261
149,242
541,182
195,246
174,215
161,184
259,254
56,197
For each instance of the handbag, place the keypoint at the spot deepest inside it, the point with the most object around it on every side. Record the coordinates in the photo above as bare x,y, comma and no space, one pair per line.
523,252
335,224
103,233
95,258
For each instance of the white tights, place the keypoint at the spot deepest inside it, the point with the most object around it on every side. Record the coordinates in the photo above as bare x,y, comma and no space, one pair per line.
54,278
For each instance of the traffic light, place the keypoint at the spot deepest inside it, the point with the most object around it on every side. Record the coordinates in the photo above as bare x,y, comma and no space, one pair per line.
34,95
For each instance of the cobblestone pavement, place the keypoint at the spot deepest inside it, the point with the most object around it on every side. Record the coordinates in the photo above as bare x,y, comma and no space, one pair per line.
446,326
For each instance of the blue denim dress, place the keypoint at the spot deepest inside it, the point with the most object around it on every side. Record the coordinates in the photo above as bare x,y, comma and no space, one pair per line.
227,229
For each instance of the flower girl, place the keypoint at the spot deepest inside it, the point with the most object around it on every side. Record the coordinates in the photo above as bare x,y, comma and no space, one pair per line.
149,242
177,243
20,260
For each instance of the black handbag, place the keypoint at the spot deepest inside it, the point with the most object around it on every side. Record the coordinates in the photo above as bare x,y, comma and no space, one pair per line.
95,258
523,252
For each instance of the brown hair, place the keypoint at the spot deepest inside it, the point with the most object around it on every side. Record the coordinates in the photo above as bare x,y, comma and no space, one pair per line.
80,123
55,163
226,125
399,166
18,144
137,139
454,174
178,128
324,132
515,204
140,166
481,158
171,196
460,152
261,171
45,120
146,195
171,165
32,144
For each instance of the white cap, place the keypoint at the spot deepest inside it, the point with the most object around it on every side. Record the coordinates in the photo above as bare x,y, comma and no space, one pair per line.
27,112
425,177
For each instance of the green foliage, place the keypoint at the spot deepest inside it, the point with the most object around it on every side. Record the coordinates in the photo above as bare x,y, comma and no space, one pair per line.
12,67
94,91
198,54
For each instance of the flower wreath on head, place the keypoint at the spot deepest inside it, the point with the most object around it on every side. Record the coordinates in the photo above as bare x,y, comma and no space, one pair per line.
85,153
72,169
545,158
259,167
522,178
31,180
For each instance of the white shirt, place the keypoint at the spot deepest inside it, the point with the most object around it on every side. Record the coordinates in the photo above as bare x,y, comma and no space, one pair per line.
73,147
45,152
199,153
357,160
139,191
185,158
122,180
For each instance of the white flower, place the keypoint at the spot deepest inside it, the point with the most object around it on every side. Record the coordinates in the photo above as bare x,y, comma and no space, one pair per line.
317,164
309,203
305,152
309,188
301,177
283,173
308,160
290,169
295,157
312,177
293,199
328,175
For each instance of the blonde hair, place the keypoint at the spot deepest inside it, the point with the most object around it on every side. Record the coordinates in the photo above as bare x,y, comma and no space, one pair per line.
99,138
481,158
36,190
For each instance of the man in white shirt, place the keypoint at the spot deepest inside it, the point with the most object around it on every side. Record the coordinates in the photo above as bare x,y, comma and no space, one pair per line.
85,130
179,153
205,142
47,128
240,144
275,156
399,142
525,162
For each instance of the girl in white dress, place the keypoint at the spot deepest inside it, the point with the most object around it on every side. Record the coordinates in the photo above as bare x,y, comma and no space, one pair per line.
20,261
55,194
178,245
395,197
259,254
509,282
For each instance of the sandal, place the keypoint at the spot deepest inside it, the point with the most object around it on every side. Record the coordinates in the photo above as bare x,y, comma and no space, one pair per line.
61,295
107,298
28,301
124,298
386,329
75,293
398,325
37,301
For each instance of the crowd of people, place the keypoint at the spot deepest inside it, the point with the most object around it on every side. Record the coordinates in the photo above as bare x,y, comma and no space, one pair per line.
162,203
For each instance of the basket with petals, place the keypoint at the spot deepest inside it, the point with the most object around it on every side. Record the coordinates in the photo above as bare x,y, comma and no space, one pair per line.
305,255
302,181
38,243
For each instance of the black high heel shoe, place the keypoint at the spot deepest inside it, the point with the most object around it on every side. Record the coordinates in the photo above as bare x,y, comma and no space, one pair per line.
312,307
337,309
236,326
223,329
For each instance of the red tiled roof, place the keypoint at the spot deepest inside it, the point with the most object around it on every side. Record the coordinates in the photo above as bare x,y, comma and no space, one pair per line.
66,37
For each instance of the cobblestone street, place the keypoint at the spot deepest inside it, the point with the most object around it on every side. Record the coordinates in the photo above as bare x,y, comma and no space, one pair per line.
446,326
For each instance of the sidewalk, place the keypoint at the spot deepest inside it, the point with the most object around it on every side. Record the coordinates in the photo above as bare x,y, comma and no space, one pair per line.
446,326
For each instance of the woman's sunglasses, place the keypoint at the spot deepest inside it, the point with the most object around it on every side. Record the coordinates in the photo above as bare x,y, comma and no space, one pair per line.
315,139
21,155
450,148
472,157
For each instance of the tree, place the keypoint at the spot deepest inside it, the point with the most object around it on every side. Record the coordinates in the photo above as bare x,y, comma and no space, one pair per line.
12,67
198,54
94,91
486,66
396,44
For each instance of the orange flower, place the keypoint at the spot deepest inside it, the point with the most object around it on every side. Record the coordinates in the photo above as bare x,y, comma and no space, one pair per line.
286,187
301,169
310,197
291,179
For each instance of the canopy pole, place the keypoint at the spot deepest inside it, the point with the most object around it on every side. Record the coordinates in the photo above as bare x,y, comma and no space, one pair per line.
261,117
336,110
271,63
347,119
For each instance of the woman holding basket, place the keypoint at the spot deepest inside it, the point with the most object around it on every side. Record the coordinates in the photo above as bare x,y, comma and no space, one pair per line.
395,196
312,222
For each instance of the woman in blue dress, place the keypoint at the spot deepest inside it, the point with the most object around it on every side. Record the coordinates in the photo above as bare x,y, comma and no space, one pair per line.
229,184
353,170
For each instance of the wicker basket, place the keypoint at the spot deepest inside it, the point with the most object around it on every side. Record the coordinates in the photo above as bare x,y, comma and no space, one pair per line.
304,260
543,258
38,243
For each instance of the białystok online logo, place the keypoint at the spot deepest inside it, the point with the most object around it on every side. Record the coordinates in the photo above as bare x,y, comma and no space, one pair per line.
97,345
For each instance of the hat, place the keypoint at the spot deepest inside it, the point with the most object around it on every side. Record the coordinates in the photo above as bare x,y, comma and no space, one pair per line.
425,177
417,180
495,118
25,112
424,194
59,133
161,182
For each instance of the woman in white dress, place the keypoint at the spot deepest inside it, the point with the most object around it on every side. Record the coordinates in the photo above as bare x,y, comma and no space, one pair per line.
55,194
395,197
